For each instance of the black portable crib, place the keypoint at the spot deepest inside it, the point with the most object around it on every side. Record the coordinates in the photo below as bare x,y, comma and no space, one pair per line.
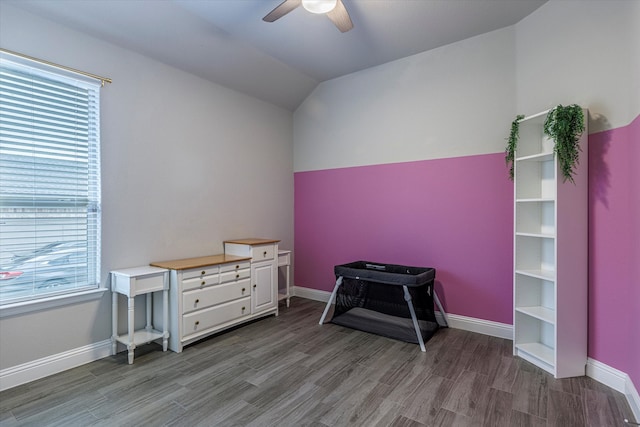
394,301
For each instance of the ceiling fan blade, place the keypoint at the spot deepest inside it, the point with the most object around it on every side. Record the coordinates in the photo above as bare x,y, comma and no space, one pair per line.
282,9
340,17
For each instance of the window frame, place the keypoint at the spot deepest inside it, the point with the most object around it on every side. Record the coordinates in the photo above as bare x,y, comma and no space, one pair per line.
95,288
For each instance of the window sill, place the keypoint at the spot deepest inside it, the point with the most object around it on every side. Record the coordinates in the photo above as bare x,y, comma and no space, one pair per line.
16,309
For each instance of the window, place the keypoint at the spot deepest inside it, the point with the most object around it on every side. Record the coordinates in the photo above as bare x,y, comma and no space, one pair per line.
49,181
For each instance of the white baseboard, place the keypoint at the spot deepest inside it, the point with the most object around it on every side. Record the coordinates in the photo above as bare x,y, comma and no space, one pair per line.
607,375
312,294
481,326
633,398
617,380
486,327
34,370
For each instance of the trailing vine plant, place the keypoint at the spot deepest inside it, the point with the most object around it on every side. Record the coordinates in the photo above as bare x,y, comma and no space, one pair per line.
512,144
565,126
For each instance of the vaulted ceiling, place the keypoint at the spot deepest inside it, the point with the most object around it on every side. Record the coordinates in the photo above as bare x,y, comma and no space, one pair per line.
226,41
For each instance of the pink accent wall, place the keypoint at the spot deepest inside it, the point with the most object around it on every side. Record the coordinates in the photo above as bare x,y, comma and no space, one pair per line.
455,215
614,248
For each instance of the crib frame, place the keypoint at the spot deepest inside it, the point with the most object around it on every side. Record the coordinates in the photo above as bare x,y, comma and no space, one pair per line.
377,273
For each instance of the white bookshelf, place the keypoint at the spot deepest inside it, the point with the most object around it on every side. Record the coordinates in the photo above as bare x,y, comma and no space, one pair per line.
550,255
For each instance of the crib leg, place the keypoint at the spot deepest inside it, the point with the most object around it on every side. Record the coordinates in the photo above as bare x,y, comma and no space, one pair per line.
444,314
331,299
407,298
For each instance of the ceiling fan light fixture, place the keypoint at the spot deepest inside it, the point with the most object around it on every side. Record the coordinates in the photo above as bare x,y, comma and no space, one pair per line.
319,6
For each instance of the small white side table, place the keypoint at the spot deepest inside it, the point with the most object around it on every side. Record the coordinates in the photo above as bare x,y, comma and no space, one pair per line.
284,260
138,281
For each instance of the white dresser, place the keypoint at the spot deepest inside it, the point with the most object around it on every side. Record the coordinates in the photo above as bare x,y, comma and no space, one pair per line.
212,293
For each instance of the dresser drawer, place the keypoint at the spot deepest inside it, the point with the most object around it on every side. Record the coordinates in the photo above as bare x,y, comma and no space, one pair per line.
214,295
263,253
200,272
234,267
202,320
235,276
200,282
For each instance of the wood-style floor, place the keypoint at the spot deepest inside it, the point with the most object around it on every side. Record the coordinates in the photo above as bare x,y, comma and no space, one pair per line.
289,371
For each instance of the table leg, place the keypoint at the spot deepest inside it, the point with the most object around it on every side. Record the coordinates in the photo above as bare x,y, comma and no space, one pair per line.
131,346
165,319
288,284
149,300
114,322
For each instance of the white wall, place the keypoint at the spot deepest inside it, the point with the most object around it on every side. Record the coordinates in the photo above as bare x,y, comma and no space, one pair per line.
436,104
185,165
582,52
446,102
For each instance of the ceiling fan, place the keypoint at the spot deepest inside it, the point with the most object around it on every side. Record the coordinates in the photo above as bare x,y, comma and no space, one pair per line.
334,9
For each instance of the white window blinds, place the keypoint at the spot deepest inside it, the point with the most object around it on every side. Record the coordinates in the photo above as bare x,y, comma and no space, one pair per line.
49,182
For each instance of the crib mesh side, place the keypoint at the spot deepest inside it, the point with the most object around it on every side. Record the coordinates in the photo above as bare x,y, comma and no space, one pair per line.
358,293
381,309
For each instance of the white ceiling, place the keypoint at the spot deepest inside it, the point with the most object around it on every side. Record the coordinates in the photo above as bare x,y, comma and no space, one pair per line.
226,41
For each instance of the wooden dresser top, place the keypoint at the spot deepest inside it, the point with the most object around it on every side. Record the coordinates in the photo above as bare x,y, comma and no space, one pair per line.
252,241
198,262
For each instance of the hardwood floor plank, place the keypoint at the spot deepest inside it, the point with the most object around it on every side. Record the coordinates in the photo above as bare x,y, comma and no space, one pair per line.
402,421
236,414
277,367
445,418
601,409
530,392
290,405
134,396
71,412
26,399
382,415
485,361
467,392
505,374
520,419
494,409
565,410
427,398
348,404
568,385
450,363
156,413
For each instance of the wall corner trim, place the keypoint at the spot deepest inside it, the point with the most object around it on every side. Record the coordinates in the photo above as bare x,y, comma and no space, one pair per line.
617,380
40,368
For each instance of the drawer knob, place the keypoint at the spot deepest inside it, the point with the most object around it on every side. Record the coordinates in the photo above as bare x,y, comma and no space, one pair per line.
203,282
203,272
264,253
254,286
197,322
237,267
237,275
242,308
197,301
